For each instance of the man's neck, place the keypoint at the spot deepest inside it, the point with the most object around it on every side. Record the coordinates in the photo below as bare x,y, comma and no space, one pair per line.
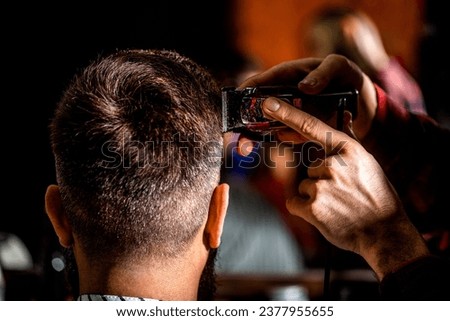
174,279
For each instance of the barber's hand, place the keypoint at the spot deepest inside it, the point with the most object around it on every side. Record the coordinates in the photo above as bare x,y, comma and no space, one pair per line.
347,196
313,75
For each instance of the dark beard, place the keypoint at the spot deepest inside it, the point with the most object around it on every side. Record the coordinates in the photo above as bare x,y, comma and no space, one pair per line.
71,271
207,285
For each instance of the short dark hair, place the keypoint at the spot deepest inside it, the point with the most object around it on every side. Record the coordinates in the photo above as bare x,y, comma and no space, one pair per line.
137,143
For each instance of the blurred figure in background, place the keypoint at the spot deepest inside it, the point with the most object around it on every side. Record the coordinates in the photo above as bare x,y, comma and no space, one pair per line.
352,33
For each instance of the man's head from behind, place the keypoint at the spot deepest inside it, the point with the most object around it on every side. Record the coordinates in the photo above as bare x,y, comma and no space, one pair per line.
137,144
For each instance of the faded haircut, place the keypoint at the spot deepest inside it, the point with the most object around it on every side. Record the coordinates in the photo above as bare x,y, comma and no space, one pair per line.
137,143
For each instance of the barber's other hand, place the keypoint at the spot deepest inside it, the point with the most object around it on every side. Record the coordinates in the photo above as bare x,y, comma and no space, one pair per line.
313,75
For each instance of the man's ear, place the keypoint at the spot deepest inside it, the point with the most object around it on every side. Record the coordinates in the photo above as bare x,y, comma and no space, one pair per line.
216,218
57,216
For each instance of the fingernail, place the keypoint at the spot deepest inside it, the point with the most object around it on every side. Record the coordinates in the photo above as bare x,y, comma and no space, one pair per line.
272,104
311,82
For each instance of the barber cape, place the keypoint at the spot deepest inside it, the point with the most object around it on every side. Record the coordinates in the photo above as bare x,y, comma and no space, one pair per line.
106,297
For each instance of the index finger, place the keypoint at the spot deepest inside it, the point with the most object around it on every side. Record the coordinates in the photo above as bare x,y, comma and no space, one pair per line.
305,124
